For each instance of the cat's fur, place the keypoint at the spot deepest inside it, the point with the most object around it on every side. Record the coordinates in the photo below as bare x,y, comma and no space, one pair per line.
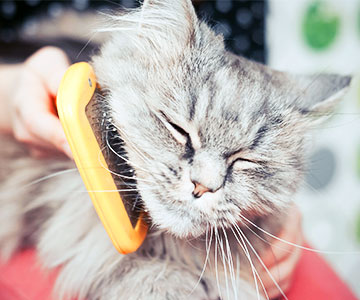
245,141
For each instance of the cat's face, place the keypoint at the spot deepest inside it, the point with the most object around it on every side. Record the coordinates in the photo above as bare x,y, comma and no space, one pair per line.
209,135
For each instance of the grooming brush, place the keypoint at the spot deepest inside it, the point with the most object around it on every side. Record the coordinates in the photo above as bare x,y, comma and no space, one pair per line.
100,157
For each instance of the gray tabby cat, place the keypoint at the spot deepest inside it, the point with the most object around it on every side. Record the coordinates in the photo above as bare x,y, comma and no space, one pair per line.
214,140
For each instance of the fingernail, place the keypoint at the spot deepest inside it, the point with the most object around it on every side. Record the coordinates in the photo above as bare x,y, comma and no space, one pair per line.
67,150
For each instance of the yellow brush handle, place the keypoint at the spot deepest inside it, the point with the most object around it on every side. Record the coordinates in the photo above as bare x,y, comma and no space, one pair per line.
76,90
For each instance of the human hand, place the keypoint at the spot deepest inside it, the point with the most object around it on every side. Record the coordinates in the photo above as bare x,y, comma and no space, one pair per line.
281,258
30,102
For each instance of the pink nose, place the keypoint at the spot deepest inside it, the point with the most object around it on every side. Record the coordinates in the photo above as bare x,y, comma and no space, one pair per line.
200,189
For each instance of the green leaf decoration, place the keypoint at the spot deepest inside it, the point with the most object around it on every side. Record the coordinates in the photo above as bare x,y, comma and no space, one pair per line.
321,25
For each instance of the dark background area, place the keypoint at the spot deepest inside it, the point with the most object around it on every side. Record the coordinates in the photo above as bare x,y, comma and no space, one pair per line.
241,22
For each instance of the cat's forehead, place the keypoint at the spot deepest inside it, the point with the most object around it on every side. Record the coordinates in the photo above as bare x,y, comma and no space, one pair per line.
228,89
221,104
220,86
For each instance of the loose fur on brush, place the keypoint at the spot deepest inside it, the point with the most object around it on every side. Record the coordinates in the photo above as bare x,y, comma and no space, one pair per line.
189,113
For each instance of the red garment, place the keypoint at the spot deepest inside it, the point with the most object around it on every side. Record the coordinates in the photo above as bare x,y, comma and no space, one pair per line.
22,279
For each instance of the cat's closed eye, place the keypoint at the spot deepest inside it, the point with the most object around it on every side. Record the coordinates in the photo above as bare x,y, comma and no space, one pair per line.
179,129
178,132
242,160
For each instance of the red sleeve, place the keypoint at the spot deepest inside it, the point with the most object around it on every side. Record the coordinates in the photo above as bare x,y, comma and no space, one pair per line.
315,280
22,279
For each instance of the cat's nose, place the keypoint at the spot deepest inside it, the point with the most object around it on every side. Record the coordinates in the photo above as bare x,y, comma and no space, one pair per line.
207,173
200,189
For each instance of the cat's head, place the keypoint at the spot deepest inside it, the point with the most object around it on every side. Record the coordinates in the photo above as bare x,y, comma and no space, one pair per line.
210,135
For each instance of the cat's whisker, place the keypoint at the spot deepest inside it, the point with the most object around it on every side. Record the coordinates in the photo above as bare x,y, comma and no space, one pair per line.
141,156
136,191
237,271
231,264
294,244
145,159
255,273
86,44
129,184
188,241
49,176
224,265
124,176
120,175
266,241
208,246
122,164
111,191
261,262
216,263
134,206
123,158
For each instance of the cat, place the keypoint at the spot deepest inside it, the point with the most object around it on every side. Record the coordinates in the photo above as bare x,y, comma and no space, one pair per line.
216,142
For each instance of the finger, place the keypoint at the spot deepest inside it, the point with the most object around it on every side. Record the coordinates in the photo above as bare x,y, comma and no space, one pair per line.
281,273
292,233
274,292
22,134
293,222
50,75
37,153
37,147
43,130
43,152
283,269
52,133
34,113
31,96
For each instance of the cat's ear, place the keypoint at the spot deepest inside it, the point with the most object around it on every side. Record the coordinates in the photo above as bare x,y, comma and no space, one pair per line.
182,9
171,17
320,94
158,26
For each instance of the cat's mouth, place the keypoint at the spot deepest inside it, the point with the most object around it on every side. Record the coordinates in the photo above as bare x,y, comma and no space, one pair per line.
187,216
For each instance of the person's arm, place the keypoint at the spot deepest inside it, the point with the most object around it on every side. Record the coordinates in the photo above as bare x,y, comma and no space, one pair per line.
27,93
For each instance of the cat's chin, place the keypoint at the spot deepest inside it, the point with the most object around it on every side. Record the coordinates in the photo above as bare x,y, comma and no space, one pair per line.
186,232
182,227
178,223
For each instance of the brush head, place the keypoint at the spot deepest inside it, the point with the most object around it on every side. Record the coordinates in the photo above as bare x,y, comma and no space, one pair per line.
112,148
100,157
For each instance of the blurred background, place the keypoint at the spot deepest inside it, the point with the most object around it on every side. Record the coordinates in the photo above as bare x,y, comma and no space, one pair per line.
302,36
312,36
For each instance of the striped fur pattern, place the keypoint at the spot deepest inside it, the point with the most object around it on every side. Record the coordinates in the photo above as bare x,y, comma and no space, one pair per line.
189,113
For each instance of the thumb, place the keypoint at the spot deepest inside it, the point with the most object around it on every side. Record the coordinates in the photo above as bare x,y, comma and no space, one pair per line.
50,64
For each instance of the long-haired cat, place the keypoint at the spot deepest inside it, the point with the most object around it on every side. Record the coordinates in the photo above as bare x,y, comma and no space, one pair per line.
213,140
